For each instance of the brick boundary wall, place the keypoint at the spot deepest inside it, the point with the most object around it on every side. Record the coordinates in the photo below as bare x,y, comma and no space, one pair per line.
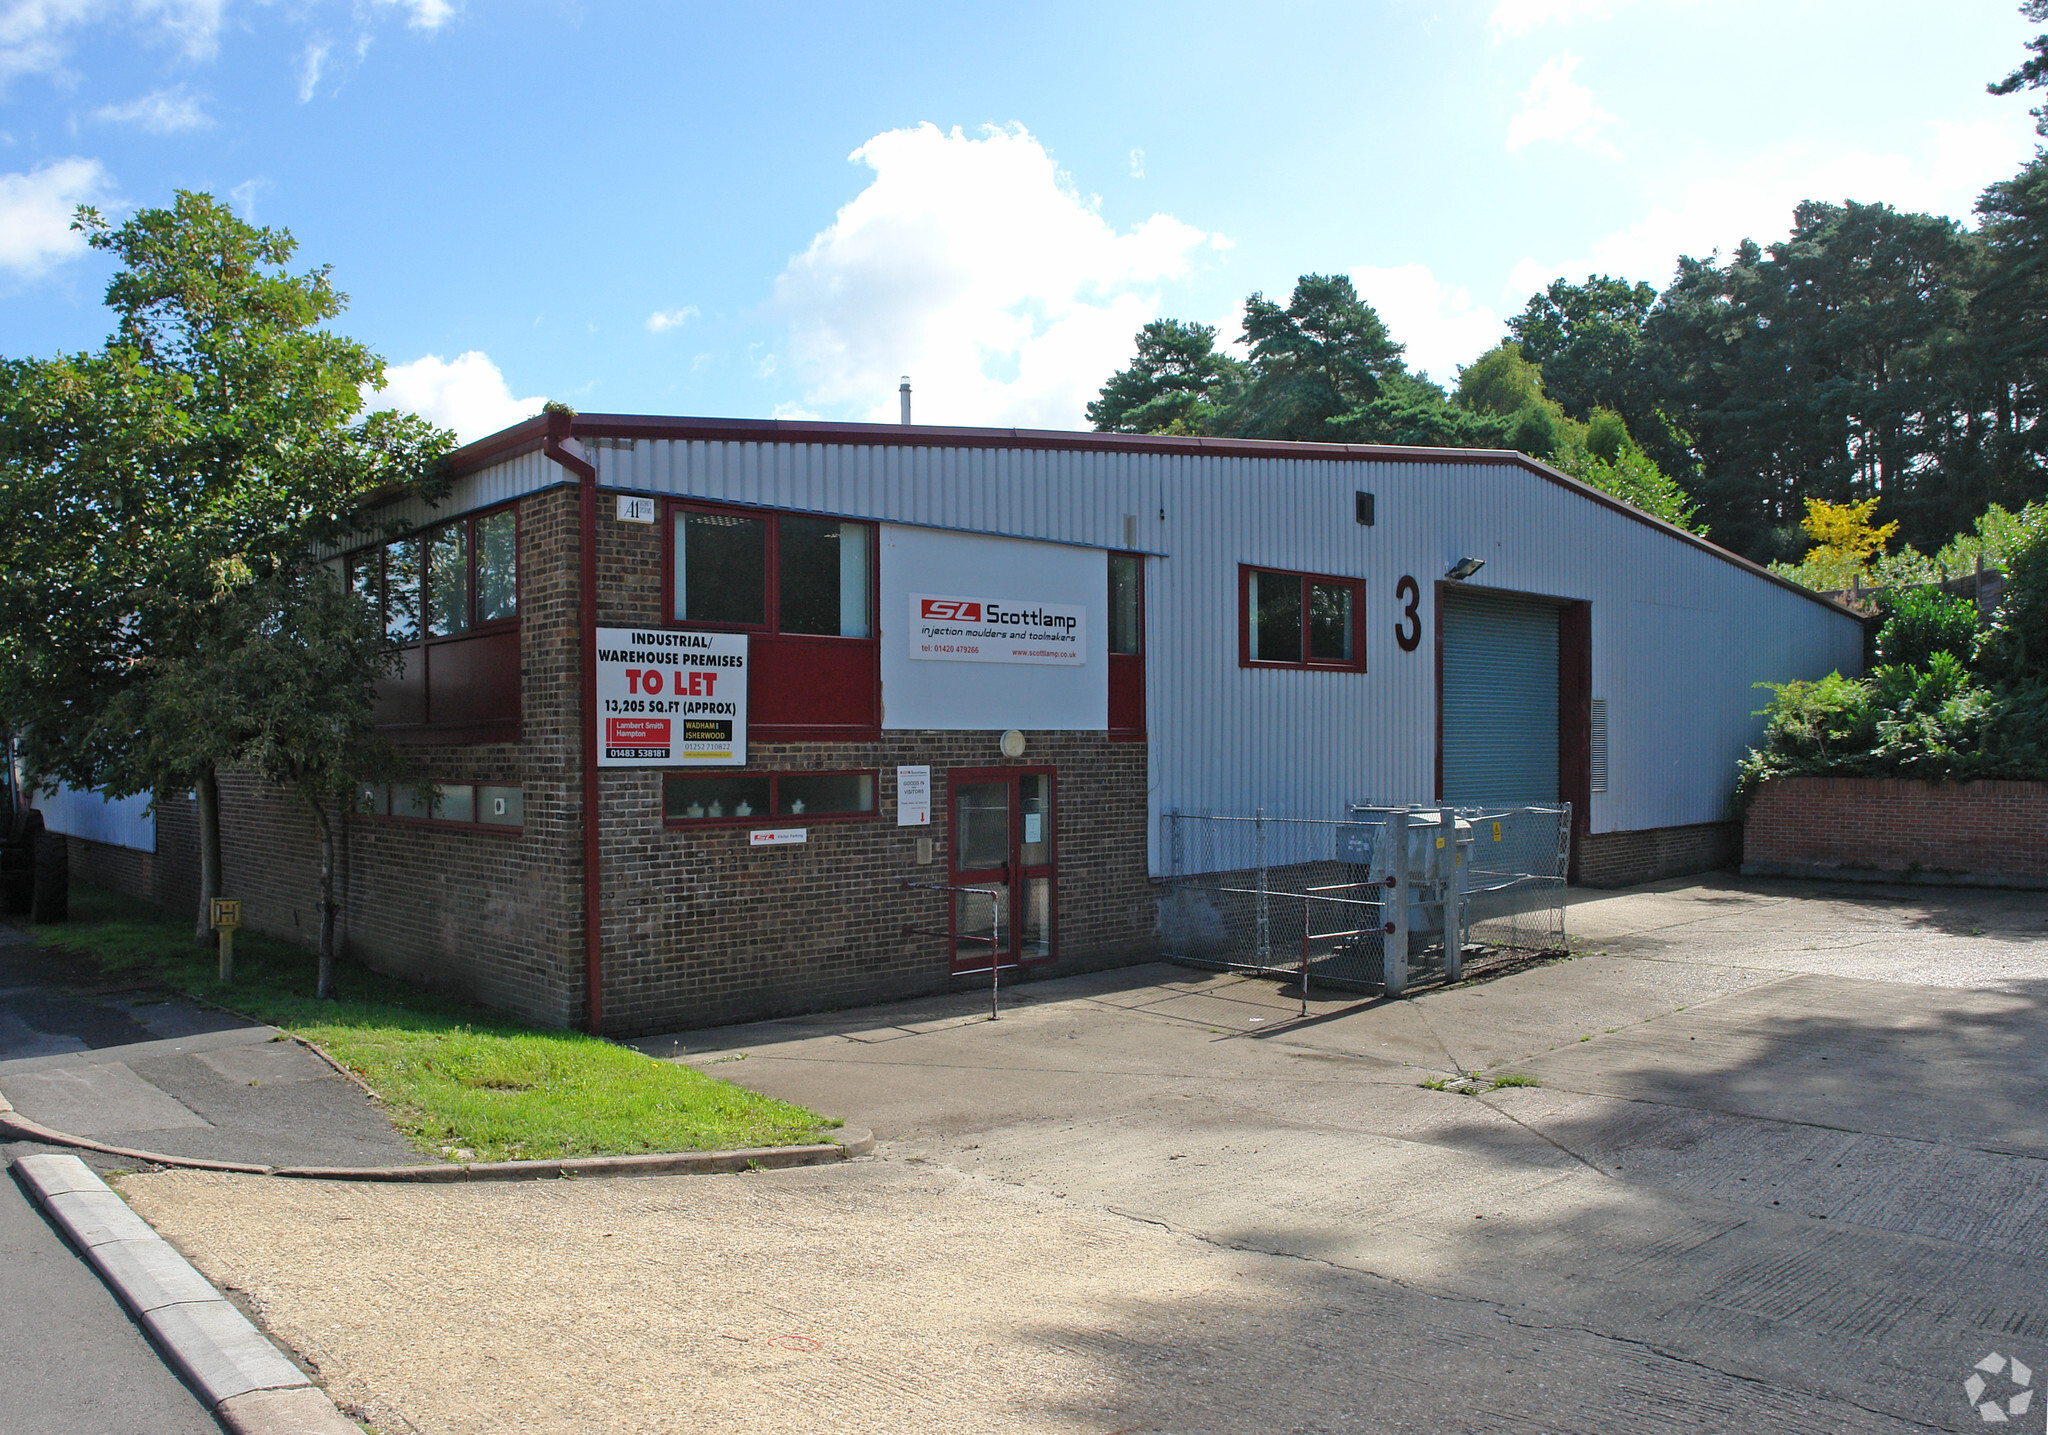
1622,859
1872,829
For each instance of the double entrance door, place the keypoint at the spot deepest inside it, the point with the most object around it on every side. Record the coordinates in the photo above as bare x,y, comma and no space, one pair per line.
1001,842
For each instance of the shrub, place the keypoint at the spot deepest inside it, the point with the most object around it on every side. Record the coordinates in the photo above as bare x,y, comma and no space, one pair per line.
1921,622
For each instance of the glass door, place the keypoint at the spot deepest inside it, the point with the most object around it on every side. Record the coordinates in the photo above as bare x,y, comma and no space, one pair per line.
1002,843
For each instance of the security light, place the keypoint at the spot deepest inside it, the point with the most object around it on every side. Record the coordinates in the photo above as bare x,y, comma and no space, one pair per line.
1464,568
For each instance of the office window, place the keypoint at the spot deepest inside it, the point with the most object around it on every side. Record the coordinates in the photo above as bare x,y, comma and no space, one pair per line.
723,564
1126,604
767,796
1301,620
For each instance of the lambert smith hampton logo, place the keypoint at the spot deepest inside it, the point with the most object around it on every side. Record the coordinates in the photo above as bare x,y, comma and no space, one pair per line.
2000,1390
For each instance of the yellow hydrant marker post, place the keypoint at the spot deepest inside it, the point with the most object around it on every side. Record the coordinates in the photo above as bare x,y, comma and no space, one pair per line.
226,915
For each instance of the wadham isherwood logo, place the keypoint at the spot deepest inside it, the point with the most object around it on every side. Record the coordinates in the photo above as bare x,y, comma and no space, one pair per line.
2017,1385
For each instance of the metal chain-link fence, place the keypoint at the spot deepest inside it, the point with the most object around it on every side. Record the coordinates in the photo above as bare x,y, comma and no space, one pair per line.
1316,897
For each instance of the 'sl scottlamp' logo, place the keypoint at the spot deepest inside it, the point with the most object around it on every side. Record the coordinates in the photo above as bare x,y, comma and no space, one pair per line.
955,610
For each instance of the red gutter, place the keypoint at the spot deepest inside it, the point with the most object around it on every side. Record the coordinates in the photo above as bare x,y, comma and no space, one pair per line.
559,427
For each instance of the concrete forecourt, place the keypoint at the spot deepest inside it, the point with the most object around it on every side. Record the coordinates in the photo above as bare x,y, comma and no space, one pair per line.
1782,1173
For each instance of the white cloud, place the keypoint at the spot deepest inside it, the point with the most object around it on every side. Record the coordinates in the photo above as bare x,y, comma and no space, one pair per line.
1755,199
161,112
35,214
1557,107
1137,164
1512,19
1438,322
35,34
426,15
311,65
244,196
973,265
661,322
466,394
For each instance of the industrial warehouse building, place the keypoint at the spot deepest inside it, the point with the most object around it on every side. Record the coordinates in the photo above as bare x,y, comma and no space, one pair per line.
802,664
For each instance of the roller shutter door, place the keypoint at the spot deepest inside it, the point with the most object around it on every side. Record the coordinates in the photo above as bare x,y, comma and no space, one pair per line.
1499,699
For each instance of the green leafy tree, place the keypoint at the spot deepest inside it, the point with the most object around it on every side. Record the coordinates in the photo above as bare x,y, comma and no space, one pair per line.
1323,355
1588,340
2032,74
1177,383
1831,365
211,442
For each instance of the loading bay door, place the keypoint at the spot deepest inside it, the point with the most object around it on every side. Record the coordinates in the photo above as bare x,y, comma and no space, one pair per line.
1500,699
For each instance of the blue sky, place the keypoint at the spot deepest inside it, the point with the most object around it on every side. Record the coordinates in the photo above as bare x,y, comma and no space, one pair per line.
775,210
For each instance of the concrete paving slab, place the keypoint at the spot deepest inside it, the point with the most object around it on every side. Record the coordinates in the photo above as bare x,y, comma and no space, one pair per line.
101,1099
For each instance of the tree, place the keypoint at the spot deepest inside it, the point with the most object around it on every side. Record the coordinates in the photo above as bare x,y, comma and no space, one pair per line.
208,445
1587,338
2032,74
1832,364
1176,384
1323,355
303,685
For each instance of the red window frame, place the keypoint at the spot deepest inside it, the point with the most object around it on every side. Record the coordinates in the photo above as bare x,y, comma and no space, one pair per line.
1127,670
772,818
771,605
443,824
424,537
1356,663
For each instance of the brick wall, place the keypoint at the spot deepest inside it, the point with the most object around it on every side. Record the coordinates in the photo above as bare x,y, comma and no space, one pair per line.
1971,833
169,876
1622,859
701,928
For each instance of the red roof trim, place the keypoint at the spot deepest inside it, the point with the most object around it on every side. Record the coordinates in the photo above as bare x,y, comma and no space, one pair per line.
529,435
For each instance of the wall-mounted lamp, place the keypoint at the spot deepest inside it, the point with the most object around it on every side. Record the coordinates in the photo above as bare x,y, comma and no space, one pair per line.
1362,507
1464,568
1012,745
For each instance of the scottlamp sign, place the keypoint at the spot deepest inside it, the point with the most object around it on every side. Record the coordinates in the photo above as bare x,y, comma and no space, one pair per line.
948,627
669,699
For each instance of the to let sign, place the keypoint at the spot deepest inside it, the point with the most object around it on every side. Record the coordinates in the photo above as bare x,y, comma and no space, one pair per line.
668,699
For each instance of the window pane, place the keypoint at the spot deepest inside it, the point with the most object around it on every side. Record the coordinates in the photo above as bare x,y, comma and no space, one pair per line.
501,806
402,590
822,576
406,800
695,797
1034,791
448,580
1126,631
721,568
366,576
981,826
819,794
1329,622
1276,617
454,802
497,566
1034,920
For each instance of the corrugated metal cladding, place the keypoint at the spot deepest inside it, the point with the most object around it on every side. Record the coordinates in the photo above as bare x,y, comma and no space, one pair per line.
1500,699
1679,635
1057,495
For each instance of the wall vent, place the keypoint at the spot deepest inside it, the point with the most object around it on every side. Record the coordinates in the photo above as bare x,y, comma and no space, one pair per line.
1598,764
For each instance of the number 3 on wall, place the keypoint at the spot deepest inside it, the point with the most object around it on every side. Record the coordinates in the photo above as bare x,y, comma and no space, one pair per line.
1409,593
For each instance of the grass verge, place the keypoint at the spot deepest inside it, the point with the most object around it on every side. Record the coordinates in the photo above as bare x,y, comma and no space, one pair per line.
460,1082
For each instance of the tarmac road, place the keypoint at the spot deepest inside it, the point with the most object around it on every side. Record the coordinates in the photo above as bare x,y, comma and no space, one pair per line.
133,1065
